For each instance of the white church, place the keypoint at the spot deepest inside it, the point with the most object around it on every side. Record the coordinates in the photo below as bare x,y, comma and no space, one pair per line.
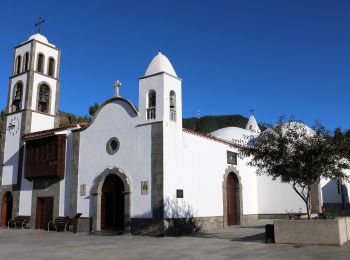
132,168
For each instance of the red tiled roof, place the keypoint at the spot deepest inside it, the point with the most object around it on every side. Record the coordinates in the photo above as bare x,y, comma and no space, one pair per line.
213,138
51,132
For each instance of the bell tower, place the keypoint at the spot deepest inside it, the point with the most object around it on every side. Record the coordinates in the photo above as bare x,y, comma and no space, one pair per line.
32,101
34,84
160,94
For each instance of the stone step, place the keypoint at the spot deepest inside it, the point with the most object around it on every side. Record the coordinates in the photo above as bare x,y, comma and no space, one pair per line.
107,233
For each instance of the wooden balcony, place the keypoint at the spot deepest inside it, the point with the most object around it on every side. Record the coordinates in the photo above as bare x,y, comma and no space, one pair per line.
45,157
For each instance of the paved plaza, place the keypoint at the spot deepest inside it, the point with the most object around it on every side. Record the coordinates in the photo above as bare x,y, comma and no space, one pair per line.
234,243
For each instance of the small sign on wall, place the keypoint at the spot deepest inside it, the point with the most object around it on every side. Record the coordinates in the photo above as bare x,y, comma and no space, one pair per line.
82,189
231,158
144,187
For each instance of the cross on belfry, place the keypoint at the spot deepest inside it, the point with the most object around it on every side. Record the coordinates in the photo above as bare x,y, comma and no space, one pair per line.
251,111
39,23
116,86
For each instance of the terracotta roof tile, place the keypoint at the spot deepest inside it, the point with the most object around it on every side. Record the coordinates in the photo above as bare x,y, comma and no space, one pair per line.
213,138
50,132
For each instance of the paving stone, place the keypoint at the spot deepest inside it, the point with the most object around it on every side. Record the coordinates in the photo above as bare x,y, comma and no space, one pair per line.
232,243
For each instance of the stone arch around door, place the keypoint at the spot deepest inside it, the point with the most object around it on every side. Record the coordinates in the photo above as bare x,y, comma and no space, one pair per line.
96,192
6,208
232,170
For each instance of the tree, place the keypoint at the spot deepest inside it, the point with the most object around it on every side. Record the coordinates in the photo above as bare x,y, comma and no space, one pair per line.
2,121
299,155
93,109
66,119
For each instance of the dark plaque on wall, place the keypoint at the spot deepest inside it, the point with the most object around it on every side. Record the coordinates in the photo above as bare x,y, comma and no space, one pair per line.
179,194
231,158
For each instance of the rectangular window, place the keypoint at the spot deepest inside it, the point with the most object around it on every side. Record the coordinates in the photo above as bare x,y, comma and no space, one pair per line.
231,158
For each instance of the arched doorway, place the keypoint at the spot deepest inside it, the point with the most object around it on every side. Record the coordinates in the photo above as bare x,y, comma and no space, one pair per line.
232,187
6,208
112,203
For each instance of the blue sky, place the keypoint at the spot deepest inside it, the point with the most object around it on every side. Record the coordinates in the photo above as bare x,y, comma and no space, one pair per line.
277,57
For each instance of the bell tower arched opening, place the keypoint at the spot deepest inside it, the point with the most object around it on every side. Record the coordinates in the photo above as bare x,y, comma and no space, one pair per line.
17,97
44,98
172,105
151,104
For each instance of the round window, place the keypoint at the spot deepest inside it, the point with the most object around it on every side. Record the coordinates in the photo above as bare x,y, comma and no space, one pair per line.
112,145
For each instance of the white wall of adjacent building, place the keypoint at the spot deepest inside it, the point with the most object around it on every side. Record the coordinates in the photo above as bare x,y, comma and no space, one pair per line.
333,189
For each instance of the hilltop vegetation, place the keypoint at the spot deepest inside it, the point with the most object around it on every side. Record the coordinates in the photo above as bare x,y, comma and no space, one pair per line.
208,124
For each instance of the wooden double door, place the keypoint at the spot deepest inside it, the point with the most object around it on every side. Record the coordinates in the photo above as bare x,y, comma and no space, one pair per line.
112,204
44,212
232,199
6,208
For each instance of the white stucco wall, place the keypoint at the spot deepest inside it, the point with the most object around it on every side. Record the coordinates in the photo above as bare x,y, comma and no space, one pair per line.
331,190
25,196
198,167
41,122
116,119
65,185
11,152
277,197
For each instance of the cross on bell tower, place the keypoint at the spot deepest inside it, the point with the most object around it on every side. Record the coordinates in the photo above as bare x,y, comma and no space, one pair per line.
39,23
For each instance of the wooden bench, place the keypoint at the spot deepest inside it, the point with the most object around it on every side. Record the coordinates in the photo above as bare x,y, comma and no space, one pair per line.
59,224
19,221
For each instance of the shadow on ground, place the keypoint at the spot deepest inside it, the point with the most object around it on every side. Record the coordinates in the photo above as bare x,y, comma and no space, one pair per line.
244,234
254,238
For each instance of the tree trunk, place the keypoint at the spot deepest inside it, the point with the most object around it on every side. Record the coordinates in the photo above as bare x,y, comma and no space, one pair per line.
306,199
308,203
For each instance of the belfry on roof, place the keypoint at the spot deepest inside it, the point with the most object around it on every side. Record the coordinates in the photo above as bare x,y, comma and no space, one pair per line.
160,63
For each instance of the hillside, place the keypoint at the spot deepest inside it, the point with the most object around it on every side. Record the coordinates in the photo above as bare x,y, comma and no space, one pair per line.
205,124
69,118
